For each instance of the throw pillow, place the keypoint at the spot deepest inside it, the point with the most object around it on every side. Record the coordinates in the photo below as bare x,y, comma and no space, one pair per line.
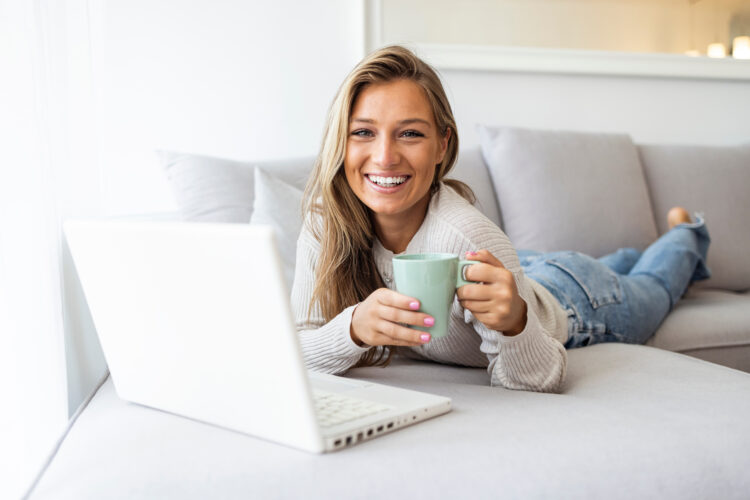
713,180
569,190
209,189
213,189
278,205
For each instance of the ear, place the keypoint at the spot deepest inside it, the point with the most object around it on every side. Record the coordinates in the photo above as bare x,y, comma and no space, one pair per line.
444,145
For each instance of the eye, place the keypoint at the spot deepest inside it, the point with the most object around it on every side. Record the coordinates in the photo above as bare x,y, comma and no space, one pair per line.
362,132
412,133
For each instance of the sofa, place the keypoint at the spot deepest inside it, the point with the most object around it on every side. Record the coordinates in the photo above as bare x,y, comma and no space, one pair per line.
670,419
549,190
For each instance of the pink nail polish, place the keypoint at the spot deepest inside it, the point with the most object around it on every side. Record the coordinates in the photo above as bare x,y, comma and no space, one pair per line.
414,305
473,253
425,337
429,321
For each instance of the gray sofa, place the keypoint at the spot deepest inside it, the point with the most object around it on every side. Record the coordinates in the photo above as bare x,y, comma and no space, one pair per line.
638,183
631,421
551,190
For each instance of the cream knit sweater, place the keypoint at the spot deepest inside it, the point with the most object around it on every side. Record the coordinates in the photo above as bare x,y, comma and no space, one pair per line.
533,360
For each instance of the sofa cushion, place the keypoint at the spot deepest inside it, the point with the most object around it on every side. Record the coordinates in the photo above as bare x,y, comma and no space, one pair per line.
279,205
642,422
715,181
709,324
213,189
569,190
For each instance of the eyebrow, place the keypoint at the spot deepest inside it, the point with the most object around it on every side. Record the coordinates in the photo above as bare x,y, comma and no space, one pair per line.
407,121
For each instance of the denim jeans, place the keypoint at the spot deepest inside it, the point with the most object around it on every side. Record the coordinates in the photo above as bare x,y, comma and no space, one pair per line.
623,296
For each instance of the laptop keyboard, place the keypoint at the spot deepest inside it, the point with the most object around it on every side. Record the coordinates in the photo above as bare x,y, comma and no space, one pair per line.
334,408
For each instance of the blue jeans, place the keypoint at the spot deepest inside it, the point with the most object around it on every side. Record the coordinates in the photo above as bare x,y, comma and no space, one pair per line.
624,296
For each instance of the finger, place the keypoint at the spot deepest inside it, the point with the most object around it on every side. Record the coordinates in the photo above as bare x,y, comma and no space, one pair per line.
474,292
481,272
391,298
476,306
401,343
485,256
400,335
410,318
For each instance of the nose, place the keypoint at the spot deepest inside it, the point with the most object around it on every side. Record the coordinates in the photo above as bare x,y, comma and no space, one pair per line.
385,153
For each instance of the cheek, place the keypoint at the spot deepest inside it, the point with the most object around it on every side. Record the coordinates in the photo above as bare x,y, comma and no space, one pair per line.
353,179
348,174
351,157
348,162
430,166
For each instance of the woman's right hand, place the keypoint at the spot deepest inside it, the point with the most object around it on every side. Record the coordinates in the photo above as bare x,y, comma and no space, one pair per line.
380,319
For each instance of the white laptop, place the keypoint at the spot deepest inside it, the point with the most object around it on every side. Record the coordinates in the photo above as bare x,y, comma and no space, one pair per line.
194,319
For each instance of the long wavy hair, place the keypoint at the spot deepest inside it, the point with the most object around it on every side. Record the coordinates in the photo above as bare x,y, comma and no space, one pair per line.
345,273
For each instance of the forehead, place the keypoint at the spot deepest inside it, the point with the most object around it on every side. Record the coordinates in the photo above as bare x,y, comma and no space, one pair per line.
395,100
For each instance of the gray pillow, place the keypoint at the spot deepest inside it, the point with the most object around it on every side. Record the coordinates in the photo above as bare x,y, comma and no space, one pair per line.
569,190
713,180
213,189
278,205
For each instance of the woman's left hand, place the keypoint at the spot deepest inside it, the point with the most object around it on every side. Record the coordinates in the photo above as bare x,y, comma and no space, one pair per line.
495,301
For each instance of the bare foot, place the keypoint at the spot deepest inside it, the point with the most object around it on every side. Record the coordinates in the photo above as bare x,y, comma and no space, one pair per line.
677,215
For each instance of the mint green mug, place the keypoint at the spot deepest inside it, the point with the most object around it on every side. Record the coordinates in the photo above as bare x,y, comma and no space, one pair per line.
431,278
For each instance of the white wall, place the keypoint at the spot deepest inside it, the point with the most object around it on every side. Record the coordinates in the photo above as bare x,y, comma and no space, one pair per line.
656,110
233,78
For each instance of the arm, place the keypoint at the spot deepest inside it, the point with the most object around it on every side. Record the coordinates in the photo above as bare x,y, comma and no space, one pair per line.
531,361
336,346
327,347
535,358
502,309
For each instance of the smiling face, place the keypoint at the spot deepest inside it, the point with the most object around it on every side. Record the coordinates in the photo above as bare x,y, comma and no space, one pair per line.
392,150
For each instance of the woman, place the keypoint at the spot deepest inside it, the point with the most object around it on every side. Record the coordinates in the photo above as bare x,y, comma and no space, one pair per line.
378,189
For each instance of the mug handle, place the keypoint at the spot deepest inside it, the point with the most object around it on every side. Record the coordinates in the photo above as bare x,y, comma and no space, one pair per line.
460,281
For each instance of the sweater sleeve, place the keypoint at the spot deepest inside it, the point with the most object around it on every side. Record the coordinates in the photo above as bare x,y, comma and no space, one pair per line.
532,360
327,347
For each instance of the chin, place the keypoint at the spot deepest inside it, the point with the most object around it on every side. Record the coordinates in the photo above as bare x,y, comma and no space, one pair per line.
386,209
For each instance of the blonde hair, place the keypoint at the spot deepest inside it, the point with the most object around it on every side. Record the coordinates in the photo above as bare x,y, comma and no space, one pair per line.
346,273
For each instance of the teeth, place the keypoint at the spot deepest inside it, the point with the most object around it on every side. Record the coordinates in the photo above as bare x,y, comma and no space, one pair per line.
387,181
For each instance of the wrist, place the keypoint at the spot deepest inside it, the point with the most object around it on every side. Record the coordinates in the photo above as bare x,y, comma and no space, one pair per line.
353,335
520,324
355,339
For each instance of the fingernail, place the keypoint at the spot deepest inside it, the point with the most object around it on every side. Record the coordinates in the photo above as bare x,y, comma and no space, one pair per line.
471,253
425,337
429,321
414,305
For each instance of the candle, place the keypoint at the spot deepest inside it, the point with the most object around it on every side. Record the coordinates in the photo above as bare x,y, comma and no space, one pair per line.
717,50
741,47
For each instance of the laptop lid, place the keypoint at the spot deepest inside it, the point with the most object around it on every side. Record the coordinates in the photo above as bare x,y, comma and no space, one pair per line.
194,319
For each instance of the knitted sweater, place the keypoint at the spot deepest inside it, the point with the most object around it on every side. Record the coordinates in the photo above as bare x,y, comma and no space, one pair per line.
533,360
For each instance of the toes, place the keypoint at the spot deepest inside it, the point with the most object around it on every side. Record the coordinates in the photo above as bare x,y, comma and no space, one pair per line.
677,215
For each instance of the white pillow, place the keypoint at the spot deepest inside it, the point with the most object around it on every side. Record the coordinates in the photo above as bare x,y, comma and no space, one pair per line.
209,189
278,204
212,189
569,190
